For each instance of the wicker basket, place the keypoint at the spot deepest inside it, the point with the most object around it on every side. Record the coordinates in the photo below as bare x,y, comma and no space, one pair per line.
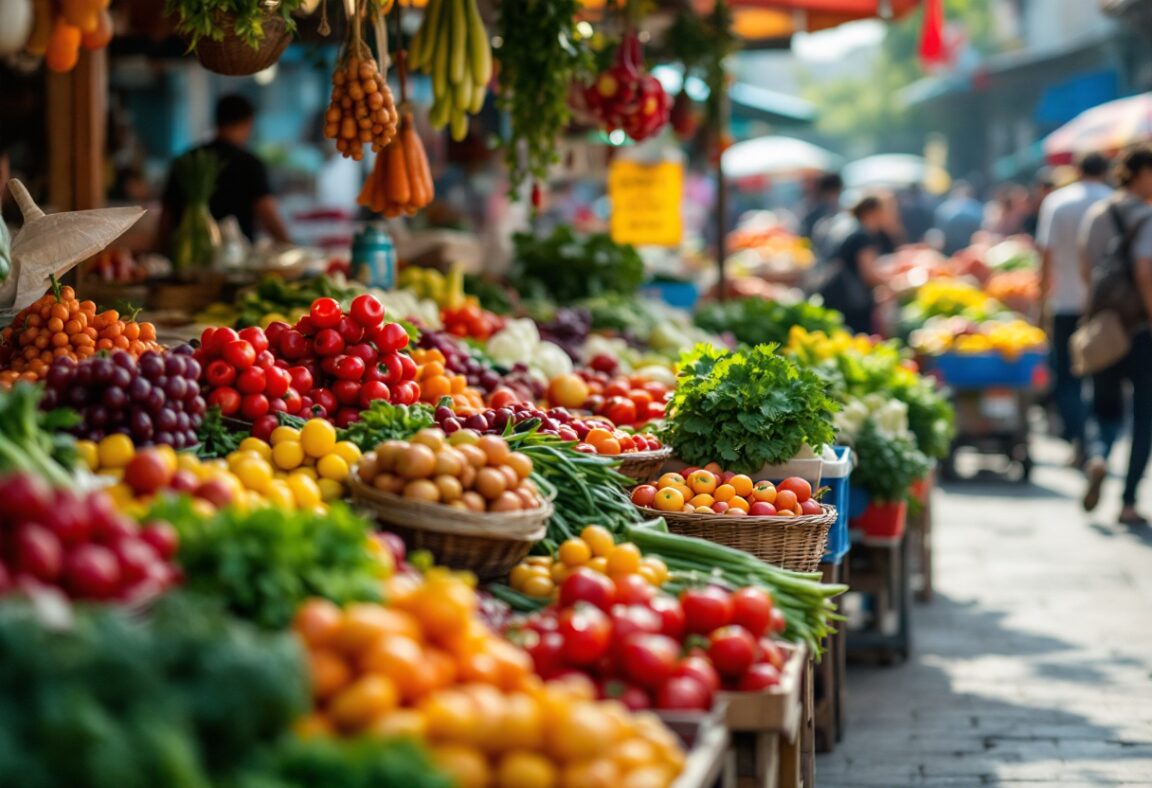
233,58
644,466
489,545
795,543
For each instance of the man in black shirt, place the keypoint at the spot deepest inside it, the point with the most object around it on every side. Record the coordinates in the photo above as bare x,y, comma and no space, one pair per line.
242,190
849,289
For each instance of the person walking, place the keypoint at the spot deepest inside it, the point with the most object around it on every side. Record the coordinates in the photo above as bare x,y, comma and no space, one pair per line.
1062,290
849,289
959,218
1123,225
242,189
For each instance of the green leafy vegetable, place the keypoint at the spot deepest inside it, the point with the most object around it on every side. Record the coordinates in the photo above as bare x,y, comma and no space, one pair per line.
333,763
34,441
263,563
889,464
754,321
211,19
384,421
566,267
746,409
217,439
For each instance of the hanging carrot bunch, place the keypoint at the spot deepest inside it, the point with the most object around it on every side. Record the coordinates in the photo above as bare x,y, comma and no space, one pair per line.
62,27
362,111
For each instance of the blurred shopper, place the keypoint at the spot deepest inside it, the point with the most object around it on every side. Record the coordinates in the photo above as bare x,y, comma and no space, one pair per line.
1006,213
891,235
958,218
242,190
825,202
1062,290
1126,219
1043,186
849,288
915,212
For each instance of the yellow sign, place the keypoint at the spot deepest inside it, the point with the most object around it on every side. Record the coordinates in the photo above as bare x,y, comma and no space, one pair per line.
646,203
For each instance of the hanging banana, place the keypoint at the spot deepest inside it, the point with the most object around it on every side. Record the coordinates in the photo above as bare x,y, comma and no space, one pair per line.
452,48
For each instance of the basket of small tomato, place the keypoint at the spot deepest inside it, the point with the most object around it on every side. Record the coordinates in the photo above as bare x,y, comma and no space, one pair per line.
782,524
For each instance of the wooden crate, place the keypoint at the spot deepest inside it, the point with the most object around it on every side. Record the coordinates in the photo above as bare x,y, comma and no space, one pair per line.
829,677
710,762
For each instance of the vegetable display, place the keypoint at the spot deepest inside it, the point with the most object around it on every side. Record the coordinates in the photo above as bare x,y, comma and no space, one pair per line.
596,550
746,409
754,321
452,47
362,110
710,491
33,441
401,180
567,267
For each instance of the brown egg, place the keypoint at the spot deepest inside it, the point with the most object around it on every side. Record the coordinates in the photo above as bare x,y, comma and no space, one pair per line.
449,461
521,463
422,490
416,461
387,452
368,467
495,449
474,501
450,488
507,502
475,456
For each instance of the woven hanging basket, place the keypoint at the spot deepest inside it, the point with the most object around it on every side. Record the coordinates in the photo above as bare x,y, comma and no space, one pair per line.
795,543
233,57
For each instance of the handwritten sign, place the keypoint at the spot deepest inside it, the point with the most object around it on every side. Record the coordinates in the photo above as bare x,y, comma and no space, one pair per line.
646,203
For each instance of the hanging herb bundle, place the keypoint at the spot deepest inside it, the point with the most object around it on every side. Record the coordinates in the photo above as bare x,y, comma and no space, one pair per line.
211,19
197,235
362,111
541,56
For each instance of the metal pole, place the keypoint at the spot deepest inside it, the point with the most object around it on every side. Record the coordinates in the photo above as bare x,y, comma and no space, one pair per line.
720,136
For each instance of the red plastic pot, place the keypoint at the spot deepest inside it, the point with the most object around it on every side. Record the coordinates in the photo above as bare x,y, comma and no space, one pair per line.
882,520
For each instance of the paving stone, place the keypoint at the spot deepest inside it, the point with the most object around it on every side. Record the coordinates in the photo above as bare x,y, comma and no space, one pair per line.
1033,665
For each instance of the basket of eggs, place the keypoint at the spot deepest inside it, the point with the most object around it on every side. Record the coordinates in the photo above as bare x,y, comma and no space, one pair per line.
468,500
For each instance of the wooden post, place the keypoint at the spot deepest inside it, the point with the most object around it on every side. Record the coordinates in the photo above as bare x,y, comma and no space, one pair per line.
77,120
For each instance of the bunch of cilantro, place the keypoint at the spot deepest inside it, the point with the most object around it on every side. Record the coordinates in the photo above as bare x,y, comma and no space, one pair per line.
747,408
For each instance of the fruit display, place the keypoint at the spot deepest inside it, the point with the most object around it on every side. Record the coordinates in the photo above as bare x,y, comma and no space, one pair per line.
447,290
436,382
154,399
1018,288
464,471
331,364
595,550
626,96
424,666
362,110
59,324
654,650
592,435
80,544
1009,338
452,48
709,490
470,320
401,180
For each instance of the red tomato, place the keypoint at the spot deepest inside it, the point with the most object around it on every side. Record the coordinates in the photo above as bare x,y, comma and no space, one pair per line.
263,426
683,692
277,405
547,652
587,585
759,677
293,402
265,359
347,392
255,336
635,698
654,410
277,381
346,416
239,354
407,366
227,399
393,368
306,327
502,398
349,368
351,331
700,669
161,536
619,410
771,653
293,345
648,660
251,381
325,313
752,609
779,624
364,352
366,310
797,485
706,609
732,650
616,388
633,589
373,390
406,393
328,342
220,373
91,571
273,331
391,337
587,633
214,344
253,406
671,615
628,620
640,398
656,389
325,399
301,378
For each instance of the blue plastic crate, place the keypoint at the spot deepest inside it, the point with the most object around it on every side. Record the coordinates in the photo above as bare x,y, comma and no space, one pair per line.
678,294
837,477
986,370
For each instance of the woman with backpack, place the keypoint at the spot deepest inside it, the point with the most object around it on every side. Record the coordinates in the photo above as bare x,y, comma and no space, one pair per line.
1116,262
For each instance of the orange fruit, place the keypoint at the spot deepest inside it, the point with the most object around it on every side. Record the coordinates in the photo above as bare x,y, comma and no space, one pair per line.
714,467
624,559
703,481
668,479
317,621
669,499
764,491
467,767
329,673
366,623
365,700
741,484
738,503
404,663
703,499
785,499
724,492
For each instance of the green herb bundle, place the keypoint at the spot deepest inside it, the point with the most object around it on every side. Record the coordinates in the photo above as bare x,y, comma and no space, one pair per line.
755,321
746,409
32,441
263,563
335,763
383,421
565,267
541,56
211,19
888,465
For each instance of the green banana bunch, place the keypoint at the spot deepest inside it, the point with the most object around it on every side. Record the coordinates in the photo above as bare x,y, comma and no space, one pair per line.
452,47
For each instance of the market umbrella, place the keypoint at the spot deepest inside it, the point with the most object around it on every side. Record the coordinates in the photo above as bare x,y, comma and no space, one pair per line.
1107,128
889,169
767,20
775,155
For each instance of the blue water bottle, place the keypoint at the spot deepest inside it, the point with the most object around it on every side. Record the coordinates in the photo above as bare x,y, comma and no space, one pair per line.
374,257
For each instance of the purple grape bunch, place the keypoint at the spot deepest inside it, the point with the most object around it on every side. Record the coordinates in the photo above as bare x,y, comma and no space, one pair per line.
554,421
154,399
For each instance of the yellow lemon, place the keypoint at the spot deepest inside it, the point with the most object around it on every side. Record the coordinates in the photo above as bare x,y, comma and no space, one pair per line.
115,451
284,433
330,490
349,451
287,455
255,444
305,491
332,467
318,437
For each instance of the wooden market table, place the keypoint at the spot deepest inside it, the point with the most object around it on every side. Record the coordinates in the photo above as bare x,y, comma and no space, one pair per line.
880,569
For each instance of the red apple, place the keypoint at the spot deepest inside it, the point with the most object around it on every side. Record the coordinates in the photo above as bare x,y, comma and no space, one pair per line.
762,509
811,506
644,495
720,507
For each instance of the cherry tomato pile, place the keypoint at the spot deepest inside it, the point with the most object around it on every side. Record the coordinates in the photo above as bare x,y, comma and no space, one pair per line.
471,320
331,364
626,401
652,650
79,544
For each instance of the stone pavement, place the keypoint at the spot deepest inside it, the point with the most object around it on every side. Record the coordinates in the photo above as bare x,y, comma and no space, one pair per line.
1033,664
